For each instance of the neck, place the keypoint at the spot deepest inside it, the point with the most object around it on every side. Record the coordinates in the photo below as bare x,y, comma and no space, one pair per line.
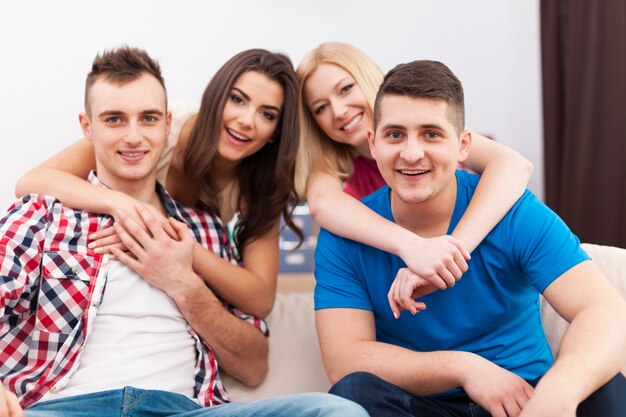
142,190
429,218
222,172
363,149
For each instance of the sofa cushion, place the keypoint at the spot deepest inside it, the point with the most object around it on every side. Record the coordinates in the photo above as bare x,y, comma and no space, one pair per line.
294,353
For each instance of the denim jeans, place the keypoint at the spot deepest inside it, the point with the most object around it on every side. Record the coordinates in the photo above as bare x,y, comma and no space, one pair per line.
381,398
135,402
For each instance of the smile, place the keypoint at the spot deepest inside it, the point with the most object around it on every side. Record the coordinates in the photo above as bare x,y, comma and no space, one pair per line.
413,171
352,122
132,155
238,135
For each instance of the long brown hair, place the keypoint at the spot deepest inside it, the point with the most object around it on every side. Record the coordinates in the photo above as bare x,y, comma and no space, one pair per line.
265,178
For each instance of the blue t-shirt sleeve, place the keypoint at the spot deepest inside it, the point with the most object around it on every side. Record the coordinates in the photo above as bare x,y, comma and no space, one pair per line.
337,283
544,246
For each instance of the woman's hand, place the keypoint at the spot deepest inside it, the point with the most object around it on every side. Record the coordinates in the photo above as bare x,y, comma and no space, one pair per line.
441,260
405,289
104,240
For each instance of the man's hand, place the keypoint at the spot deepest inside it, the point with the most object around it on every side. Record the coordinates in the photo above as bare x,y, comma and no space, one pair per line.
500,392
439,260
165,262
104,240
9,405
405,289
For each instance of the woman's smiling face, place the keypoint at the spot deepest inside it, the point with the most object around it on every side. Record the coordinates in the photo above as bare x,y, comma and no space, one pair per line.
338,105
251,115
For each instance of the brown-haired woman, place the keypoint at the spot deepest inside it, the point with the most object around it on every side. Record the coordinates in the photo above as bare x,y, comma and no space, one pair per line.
235,156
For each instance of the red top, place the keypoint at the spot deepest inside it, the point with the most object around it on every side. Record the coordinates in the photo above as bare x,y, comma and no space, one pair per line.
365,178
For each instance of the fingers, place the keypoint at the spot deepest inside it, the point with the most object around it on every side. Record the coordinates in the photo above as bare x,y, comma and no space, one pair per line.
456,242
100,234
127,240
126,259
180,230
400,295
9,405
150,220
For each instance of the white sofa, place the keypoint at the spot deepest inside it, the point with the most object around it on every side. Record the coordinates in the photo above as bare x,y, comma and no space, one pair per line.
295,360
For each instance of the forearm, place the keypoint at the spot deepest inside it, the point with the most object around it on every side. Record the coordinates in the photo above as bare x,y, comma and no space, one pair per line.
71,190
345,216
240,348
420,373
505,175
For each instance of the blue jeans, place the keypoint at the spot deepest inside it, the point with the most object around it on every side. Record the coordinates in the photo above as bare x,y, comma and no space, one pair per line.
135,402
381,398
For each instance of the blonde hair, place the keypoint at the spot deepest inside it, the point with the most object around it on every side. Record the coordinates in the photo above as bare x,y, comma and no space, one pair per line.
317,151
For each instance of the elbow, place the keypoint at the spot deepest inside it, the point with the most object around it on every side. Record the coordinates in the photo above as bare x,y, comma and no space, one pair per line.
527,168
22,186
256,373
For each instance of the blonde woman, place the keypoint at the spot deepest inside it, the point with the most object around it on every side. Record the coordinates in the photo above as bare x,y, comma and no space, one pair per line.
338,85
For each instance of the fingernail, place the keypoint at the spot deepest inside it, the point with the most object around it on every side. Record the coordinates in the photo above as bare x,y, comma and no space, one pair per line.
395,315
98,250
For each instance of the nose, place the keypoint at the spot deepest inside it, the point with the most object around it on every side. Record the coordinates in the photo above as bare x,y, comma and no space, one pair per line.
133,134
340,109
412,150
246,118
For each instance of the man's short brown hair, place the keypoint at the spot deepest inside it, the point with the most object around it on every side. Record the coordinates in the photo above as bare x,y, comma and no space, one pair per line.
424,79
121,65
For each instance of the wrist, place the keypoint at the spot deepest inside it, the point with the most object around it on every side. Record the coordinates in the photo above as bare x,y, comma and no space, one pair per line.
403,241
190,291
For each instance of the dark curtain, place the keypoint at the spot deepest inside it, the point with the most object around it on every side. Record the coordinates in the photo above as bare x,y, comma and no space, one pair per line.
584,92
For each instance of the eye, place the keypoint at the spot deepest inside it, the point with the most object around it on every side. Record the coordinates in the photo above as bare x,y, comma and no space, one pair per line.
431,134
113,120
346,88
320,109
394,134
269,115
150,119
236,99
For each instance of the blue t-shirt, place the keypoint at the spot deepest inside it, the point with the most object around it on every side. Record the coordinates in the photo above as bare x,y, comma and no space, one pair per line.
492,311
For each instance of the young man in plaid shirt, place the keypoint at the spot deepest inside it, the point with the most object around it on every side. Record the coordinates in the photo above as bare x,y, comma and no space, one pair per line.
82,334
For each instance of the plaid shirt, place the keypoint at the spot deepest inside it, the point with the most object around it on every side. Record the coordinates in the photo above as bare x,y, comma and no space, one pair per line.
51,286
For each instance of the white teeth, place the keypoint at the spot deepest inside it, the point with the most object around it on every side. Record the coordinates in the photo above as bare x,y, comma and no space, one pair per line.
132,154
413,171
353,122
238,135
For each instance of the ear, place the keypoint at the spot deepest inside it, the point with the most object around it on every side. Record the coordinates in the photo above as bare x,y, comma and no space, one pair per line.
85,125
465,141
371,140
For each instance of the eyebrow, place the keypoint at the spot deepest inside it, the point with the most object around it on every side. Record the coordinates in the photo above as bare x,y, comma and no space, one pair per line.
402,127
121,113
247,97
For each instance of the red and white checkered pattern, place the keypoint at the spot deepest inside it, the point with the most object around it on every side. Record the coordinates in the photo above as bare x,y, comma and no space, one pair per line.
49,279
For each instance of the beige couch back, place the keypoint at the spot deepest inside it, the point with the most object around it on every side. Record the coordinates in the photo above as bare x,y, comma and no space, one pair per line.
295,360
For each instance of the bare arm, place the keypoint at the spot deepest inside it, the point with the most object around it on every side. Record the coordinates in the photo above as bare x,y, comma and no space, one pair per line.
241,349
64,177
594,345
439,260
348,343
251,288
505,174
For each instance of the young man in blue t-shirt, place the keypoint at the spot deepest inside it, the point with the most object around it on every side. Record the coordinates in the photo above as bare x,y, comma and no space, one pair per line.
479,347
